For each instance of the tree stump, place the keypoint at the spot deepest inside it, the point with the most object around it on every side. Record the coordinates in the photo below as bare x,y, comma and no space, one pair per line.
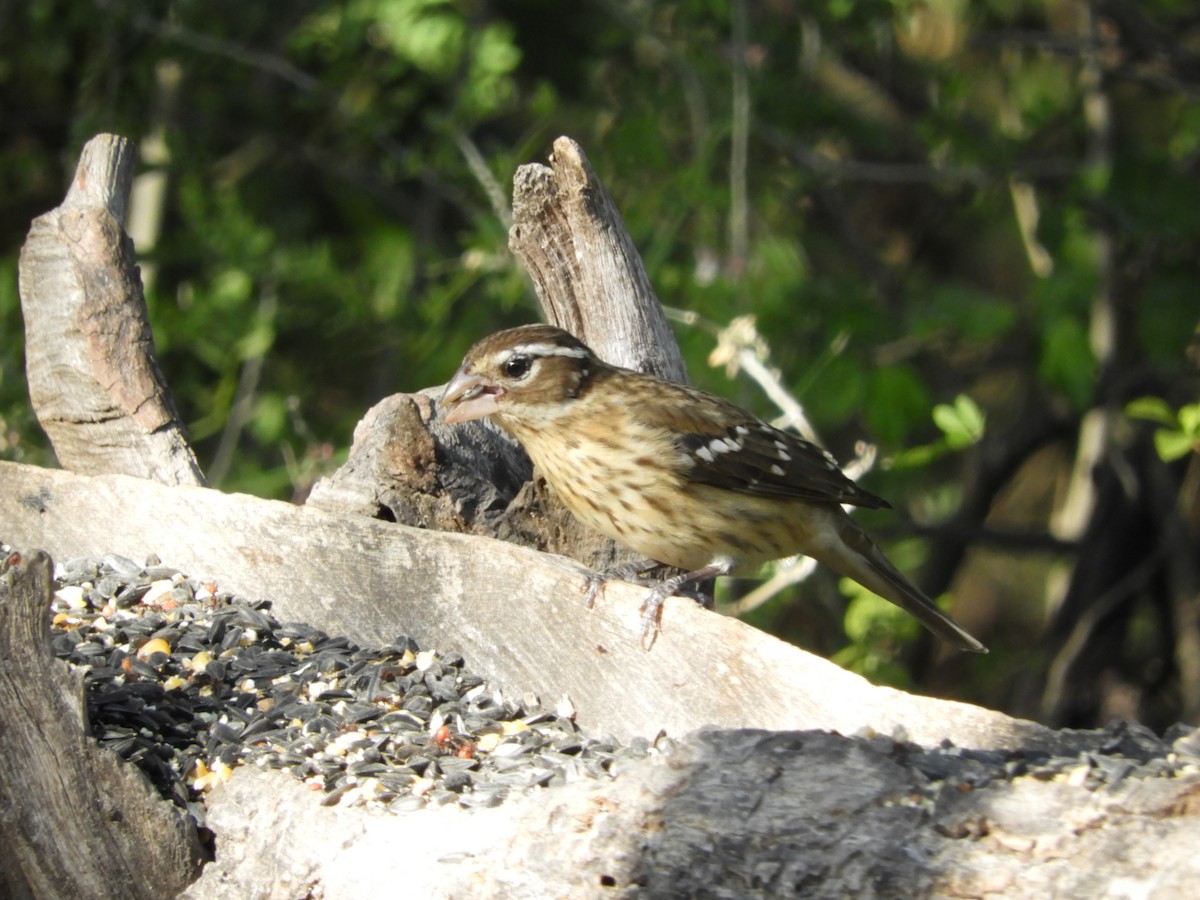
77,820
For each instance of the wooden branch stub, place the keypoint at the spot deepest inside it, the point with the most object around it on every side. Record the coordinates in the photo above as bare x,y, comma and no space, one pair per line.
588,275
93,377
77,821
103,177
407,467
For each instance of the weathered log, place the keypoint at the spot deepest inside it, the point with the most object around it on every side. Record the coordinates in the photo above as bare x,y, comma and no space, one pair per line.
732,814
516,614
75,820
89,354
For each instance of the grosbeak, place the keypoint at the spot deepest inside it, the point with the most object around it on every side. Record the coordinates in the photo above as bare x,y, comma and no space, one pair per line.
678,475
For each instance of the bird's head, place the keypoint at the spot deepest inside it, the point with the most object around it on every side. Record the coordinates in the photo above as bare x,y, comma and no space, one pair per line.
519,376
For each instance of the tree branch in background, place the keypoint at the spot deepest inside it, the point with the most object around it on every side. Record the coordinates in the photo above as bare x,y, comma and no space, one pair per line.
739,140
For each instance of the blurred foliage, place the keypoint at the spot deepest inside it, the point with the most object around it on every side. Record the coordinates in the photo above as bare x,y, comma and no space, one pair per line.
875,629
962,425
1179,435
924,208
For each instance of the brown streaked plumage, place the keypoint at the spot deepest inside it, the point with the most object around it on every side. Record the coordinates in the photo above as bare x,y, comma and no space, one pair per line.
679,475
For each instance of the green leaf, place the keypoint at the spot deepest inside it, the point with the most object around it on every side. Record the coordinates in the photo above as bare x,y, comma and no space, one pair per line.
869,616
973,314
1067,362
837,392
270,418
1173,445
232,288
1181,434
1189,420
1152,409
916,457
875,627
962,423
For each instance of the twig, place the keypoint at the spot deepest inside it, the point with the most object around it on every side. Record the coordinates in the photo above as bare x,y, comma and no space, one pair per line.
739,138
791,571
1025,208
243,403
479,168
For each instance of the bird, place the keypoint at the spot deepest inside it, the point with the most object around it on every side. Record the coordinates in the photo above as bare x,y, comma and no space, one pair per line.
680,476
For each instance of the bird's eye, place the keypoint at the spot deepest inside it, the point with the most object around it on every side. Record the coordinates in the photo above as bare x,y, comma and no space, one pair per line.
517,367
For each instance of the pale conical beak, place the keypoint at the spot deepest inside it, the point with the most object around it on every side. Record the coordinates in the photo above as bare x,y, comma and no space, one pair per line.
467,397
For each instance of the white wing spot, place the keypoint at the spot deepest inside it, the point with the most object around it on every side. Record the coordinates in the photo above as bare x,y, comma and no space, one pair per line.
777,470
724,445
705,454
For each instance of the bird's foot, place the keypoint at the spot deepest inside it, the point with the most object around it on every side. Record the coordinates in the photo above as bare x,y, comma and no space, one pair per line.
596,582
652,606
651,611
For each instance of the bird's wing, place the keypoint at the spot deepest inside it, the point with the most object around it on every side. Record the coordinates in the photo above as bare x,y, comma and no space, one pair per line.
730,448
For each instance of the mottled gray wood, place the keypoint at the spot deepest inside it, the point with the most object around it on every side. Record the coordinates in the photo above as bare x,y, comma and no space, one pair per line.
728,814
517,615
75,821
89,354
585,268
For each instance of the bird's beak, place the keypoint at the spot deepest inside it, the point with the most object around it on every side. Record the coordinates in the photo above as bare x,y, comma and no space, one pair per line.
467,397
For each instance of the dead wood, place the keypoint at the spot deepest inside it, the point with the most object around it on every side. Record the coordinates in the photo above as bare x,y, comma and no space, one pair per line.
77,821
587,273
516,614
729,814
89,355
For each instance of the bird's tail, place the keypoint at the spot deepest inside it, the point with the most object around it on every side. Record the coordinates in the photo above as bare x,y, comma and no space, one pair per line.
859,558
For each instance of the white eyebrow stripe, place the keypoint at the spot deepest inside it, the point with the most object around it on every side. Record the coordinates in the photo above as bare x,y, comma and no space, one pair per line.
542,349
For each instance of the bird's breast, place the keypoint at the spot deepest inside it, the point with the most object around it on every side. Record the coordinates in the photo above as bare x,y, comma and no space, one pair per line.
633,491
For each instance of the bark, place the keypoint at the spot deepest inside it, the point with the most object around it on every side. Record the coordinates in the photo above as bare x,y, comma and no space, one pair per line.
76,821
94,381
517,615
729,814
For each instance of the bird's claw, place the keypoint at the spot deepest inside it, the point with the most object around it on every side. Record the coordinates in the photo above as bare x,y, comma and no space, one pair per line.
595,582
651,610
593,586
652,607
